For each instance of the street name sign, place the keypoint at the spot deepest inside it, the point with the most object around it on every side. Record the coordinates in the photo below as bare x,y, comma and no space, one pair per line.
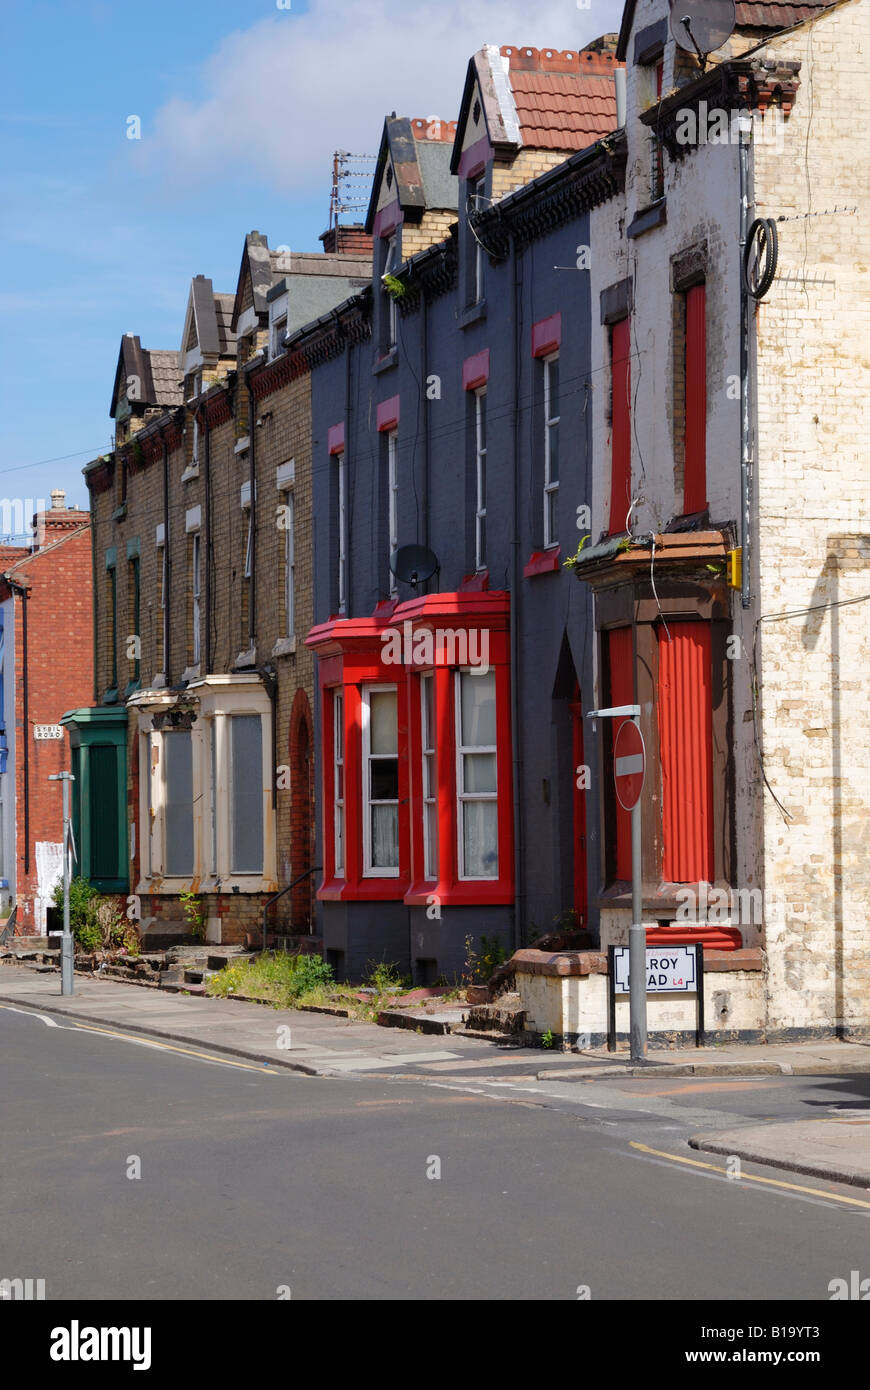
669,970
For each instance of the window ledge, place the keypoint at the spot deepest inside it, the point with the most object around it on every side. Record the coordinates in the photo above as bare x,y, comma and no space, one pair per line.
120,512
189,473
473,314
648,218
158,680
285,646
242,445
246,659
543,562
466,892
132,686
110,697
191,673
384,364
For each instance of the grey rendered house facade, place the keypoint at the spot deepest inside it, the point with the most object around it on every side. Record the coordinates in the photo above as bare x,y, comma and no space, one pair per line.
450,411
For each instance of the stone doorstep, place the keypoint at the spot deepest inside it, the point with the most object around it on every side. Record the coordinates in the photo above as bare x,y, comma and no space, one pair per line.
441,1022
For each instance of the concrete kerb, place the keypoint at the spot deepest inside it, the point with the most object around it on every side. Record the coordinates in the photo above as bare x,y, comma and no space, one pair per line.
732,1146
55,1007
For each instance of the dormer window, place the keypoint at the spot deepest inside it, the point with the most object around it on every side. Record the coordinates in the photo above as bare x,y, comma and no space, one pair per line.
279,332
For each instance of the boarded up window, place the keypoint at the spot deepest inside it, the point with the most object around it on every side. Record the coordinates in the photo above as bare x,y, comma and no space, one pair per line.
686,743
104,810
247,794
620,375
179,803
695,497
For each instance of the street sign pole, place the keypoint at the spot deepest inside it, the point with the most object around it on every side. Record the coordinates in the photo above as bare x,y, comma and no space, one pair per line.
637,941
631,779
66,941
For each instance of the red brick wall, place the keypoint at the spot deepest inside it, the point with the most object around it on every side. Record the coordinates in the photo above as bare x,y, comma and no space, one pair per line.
60,678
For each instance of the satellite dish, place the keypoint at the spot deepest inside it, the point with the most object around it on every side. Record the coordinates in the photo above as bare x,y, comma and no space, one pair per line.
702,26
414,564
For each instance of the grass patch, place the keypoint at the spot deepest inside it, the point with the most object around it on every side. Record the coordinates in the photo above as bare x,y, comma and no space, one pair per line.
281,978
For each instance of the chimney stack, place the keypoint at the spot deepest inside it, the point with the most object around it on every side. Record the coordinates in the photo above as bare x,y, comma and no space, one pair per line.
58,499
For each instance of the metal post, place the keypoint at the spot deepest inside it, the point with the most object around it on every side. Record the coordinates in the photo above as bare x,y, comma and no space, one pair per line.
636,932
66,941
637,946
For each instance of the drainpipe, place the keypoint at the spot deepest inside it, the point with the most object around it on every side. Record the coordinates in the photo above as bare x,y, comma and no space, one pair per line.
94,596
21,591
745,127
205,654
348,459
424,378
252,585
516,753
167,561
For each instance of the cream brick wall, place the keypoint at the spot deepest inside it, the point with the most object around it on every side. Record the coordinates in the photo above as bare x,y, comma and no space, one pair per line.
433,227
812,484
528,165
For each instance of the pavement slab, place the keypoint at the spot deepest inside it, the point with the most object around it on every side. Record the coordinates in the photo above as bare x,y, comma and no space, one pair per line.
324,1044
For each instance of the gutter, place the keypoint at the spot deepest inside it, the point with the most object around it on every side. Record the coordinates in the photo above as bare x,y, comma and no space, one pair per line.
22,592
516,752
252,482
167,559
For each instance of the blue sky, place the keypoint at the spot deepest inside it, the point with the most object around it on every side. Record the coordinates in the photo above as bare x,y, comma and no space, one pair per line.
241,104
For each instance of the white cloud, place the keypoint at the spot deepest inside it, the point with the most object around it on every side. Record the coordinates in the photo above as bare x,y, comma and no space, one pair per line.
277,99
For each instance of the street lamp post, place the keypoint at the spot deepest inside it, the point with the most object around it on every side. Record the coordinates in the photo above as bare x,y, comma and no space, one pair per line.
66,944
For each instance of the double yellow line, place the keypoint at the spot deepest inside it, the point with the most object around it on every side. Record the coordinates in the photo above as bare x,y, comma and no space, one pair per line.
752,1177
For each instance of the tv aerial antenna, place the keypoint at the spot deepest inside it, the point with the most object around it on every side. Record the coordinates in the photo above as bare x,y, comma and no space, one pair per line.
702,26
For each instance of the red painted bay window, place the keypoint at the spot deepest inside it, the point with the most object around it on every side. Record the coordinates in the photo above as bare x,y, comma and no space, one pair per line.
416,751
620,469
695,495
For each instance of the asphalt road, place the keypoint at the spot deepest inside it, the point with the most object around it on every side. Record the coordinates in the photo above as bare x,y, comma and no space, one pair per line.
254,1181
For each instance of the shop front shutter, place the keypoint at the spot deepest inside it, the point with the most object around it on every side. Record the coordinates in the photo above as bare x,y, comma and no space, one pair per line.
102,764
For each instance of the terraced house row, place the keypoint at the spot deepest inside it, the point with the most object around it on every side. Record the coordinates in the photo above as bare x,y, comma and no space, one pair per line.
339,642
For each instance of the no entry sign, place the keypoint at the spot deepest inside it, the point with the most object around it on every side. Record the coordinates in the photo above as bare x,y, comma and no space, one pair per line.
629,763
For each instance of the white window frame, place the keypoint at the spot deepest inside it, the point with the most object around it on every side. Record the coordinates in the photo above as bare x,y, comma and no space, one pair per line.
392,307
551,487
341,465
249,543
195,588
462,796
194,453
339,822
478,193
279,330
429,777
393,504
369,869
220,701
480,449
